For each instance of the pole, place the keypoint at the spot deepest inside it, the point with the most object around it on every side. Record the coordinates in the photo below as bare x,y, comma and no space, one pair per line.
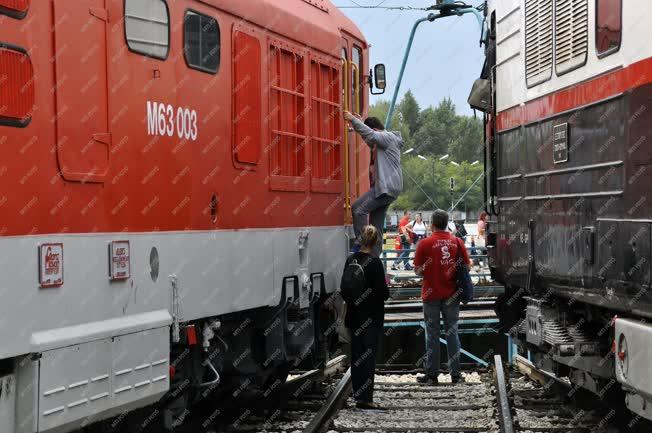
433,175
431,17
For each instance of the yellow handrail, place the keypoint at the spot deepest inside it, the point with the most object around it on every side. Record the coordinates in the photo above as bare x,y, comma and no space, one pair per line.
356,104
347,180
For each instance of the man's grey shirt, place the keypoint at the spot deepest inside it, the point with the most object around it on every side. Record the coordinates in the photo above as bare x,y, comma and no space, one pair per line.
389,175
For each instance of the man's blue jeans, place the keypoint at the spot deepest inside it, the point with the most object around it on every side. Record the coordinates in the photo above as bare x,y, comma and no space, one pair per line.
450,311
405,255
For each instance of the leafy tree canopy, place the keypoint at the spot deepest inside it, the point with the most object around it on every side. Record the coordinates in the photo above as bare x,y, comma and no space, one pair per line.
434,132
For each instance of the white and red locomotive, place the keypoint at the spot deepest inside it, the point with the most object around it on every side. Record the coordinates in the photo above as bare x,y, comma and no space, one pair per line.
568,160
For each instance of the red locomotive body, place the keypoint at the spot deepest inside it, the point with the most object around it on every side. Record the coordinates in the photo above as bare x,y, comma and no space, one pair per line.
196,149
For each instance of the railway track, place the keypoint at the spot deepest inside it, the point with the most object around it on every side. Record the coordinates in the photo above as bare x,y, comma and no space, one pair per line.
507,401
301,398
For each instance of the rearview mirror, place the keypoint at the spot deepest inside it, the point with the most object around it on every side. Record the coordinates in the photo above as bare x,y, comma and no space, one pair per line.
379,76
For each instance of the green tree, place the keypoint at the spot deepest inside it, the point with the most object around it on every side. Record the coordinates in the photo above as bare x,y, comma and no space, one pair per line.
437,128
409,109
467,144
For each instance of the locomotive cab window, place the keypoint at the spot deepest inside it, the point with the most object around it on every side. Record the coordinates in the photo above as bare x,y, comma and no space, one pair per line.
147,27
201,42
357,75
608,26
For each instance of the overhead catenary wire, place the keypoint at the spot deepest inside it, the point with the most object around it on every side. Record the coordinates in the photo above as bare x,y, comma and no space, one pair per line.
357,5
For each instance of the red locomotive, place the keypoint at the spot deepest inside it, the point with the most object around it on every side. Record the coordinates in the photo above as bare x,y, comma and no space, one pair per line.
175,191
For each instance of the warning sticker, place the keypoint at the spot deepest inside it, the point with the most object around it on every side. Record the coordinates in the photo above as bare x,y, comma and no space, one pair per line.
119,260
51,265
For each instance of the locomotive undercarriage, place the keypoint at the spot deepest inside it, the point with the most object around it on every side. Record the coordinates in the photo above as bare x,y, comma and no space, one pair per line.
569,339
575,340
248,354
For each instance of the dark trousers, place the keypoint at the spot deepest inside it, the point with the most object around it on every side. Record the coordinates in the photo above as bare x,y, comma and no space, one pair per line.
364,344
369,209
405,255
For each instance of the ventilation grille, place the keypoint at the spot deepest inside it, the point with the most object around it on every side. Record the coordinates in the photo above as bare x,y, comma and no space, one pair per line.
538,41
14,8
571,34
16,87
16,5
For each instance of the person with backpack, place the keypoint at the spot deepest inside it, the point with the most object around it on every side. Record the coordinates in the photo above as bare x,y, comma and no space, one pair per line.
364,289
442,260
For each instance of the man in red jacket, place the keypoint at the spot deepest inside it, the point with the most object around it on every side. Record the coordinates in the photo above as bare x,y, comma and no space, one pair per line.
436,260
406,243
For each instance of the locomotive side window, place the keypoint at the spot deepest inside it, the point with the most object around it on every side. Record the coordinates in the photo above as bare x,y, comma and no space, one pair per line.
287,115
201,42
147,27
609,26
571,34
357,75
326,127
538,41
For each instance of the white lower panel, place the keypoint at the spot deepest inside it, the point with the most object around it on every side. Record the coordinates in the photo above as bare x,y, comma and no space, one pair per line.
218,272
74,386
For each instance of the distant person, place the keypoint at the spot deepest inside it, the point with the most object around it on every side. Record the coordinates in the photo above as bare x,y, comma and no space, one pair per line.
418,229
436,260
364,289
385,173
482,224
406,242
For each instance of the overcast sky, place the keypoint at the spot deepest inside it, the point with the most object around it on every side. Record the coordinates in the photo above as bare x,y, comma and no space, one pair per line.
445,59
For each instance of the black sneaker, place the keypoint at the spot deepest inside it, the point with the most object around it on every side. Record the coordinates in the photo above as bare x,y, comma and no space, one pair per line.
428,380
364,405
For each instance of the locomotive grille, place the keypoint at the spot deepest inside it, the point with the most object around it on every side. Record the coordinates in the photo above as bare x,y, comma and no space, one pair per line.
16,86
572,34
16,5
538,41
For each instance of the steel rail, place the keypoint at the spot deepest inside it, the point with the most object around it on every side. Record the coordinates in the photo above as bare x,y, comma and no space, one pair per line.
504,409
544,378
335,400
294,385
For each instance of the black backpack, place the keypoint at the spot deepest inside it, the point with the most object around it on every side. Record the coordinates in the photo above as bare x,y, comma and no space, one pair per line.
460,230
353,283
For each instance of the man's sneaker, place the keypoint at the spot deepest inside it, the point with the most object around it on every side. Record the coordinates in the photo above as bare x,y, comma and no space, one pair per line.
408,268
394,268
428,380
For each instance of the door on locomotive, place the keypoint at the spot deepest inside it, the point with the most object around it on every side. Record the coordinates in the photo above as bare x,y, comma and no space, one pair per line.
83,137
353,100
